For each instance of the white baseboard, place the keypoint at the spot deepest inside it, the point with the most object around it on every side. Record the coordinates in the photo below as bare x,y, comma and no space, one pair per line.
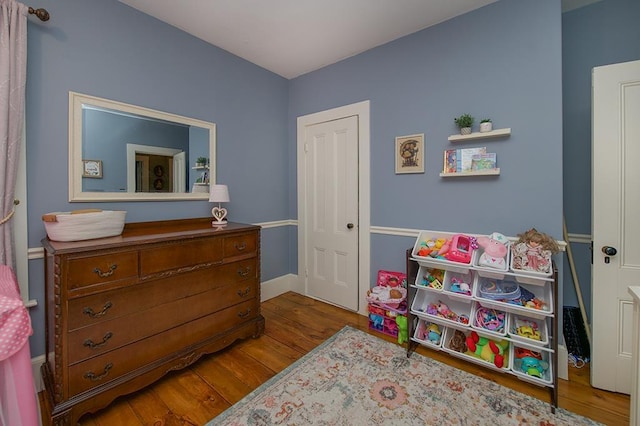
36,363
277,286
563,362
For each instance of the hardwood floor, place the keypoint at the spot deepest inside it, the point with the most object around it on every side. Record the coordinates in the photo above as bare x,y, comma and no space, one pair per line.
294,326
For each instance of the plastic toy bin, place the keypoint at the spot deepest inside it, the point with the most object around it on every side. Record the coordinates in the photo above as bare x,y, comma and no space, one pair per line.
435,262
431,279
455,283
531,366
532,331
434,306
497,321
383,319
540,293
428,333
452,335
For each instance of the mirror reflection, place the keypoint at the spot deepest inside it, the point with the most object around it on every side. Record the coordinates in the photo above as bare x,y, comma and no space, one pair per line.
125,152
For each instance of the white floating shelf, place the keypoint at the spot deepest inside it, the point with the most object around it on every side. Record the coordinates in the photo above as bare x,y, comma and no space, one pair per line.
477,135
490,172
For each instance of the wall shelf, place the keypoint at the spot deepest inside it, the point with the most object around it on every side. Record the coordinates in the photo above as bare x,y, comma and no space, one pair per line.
491,172
477,135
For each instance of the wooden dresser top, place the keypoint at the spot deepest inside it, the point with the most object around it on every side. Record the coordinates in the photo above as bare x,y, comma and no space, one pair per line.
149,232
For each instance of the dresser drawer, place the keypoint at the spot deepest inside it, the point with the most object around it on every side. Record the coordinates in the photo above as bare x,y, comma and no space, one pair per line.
189,254
240,245
111,334
111,365
113,267
108,305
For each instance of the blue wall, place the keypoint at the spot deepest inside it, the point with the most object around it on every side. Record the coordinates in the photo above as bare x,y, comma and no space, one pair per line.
107,49
603,33
501,61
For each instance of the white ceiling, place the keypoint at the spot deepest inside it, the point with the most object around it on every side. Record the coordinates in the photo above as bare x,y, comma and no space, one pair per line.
293,37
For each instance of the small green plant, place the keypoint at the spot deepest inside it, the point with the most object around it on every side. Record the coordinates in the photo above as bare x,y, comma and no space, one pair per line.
202,160
485,120
465,120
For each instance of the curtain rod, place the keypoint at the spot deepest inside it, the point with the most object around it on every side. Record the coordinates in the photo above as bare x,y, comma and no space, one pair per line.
41,13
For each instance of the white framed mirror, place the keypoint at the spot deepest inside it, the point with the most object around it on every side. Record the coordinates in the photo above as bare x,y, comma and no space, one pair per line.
123,152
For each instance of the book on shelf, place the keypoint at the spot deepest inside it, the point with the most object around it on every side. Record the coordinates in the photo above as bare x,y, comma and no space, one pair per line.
485,161
460,160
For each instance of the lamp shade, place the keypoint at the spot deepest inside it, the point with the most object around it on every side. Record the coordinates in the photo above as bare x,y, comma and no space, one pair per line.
219,194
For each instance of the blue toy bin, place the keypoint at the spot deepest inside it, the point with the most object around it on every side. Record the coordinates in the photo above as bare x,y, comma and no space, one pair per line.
539,292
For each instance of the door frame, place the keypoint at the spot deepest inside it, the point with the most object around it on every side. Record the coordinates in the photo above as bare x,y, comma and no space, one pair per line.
362,111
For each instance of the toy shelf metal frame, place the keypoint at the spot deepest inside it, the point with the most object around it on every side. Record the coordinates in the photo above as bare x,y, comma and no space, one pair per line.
413,264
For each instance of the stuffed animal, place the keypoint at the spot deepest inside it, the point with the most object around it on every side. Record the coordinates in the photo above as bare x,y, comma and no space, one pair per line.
457,342
403,334
487,349
495,251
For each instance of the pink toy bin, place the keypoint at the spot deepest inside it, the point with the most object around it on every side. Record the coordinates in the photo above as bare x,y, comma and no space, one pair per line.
539,325
472,357
546,378
421,333
424,299
451,278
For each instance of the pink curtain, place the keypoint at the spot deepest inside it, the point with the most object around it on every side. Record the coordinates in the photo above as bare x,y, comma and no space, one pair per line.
13,77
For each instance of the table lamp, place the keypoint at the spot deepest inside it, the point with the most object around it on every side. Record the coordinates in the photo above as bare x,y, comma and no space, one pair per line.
219,194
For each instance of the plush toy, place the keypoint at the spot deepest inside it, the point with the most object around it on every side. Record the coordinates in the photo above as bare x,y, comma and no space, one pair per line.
533,251
457,342
495,251
486,349
403,334
433,333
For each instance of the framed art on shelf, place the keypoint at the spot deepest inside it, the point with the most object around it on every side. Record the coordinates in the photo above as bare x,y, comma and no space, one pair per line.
92,169
410,154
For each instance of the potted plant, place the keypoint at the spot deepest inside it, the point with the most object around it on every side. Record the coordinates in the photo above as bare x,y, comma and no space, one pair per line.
464,123
486,125
201,161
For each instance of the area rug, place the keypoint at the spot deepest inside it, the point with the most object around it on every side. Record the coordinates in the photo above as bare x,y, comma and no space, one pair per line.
355,378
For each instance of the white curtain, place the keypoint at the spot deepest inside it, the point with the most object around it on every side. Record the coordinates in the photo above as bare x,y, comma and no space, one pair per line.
13,77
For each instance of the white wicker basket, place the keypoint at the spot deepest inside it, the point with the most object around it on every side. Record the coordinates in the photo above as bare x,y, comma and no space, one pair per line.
84,225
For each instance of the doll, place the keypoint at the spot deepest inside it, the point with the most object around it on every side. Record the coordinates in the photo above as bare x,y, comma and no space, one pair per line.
533,251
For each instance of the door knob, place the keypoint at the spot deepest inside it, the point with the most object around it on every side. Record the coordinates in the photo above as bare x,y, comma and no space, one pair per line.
350,225
609,251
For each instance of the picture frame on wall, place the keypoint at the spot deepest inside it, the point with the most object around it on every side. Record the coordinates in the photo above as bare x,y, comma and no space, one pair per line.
92,169
410,154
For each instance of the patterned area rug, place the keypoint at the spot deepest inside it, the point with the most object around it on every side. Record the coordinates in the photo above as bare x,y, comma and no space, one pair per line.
357,379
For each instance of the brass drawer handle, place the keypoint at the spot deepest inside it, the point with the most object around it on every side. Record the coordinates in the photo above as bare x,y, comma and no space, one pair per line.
89,343
245,292
244,273
241,246
92,314
244,314
91,375
105,274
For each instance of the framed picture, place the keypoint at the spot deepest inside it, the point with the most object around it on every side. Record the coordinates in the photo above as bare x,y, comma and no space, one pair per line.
92,169
410,154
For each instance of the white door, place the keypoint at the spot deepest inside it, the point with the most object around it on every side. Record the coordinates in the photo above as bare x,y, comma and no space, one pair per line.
616,227
180,172
331,192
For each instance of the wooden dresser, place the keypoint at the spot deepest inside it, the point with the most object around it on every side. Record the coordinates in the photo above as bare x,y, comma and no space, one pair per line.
121,312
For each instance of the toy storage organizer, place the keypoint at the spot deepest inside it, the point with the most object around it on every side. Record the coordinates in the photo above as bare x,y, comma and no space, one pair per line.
448,302
383,307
